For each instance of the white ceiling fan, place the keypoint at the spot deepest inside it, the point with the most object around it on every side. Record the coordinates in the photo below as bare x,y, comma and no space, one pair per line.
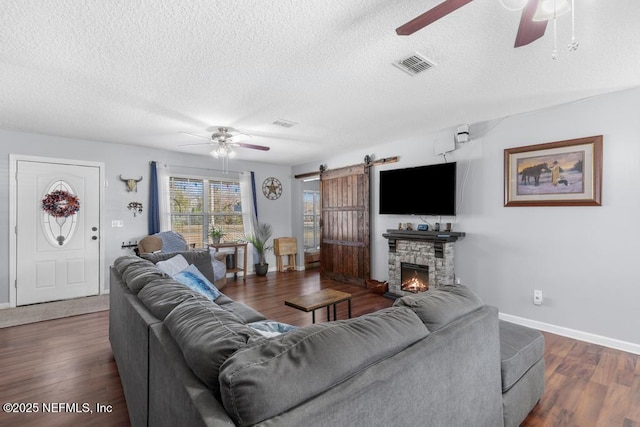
224,141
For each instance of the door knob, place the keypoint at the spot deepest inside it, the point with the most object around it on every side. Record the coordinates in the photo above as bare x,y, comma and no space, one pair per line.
94,237
94,228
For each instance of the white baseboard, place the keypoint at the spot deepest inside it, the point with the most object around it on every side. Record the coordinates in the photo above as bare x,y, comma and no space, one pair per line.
4,305
572,333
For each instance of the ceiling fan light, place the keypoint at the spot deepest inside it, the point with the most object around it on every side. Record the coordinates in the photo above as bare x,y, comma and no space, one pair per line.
546,8
231,153
214,153
513,5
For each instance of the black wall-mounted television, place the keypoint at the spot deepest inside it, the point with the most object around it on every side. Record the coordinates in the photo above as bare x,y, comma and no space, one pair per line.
422,190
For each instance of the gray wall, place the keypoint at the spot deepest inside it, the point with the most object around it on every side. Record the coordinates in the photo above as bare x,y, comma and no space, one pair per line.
582,258
130,162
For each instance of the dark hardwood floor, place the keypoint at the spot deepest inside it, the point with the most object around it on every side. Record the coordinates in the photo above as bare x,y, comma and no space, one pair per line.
46,365
66,361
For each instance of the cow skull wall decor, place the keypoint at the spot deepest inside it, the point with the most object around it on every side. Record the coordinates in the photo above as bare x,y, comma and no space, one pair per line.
132,184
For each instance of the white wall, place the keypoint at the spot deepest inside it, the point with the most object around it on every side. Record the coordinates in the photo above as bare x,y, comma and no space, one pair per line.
131,162
582,258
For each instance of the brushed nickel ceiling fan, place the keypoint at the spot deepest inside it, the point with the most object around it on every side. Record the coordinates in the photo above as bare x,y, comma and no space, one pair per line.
224,143
533,21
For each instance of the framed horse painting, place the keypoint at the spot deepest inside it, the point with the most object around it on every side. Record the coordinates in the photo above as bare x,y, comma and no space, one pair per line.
563,173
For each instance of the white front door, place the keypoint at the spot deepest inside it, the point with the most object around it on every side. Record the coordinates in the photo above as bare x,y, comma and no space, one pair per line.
57,231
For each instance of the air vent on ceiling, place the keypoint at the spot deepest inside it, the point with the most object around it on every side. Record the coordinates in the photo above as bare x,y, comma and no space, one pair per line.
414,64
284,123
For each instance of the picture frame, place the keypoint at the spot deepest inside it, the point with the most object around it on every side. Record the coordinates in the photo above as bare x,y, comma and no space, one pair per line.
562,173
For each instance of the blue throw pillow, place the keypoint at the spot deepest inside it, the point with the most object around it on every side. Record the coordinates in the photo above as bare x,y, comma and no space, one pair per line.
269,328
195,280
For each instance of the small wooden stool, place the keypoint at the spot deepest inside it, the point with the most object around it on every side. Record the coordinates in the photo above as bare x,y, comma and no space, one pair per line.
285,247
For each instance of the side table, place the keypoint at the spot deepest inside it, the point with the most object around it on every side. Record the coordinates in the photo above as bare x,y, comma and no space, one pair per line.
235,247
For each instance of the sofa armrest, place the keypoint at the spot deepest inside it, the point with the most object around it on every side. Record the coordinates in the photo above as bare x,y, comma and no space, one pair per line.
449,378
177,396
129,324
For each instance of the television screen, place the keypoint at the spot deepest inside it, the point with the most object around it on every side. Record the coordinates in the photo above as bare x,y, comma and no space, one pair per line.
423,190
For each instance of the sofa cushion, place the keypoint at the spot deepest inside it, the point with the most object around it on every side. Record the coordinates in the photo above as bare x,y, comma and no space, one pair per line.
223,299
520,349
201,259
438,307
161,296
137,276
207,335
245,313
312,359
121,264
192,278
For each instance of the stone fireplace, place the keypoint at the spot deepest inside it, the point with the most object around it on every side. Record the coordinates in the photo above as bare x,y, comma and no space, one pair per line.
425,256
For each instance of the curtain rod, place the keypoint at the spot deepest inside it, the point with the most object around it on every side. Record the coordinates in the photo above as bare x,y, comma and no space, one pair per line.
196,167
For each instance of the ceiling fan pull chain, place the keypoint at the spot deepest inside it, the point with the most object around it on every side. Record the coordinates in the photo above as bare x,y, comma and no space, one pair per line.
574,44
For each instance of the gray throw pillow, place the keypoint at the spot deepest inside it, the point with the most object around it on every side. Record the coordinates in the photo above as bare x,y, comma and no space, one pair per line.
440,306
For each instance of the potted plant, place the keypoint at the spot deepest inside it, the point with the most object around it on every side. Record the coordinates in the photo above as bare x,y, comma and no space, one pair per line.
216,234
261,234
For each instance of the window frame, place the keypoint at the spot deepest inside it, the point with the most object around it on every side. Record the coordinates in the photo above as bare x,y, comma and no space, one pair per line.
316,218
205,215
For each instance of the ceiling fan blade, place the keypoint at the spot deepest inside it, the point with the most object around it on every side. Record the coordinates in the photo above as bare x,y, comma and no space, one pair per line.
430,16
197,136
252,146
201,144
529,30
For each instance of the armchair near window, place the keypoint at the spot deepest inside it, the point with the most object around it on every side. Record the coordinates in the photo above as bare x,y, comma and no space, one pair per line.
165,241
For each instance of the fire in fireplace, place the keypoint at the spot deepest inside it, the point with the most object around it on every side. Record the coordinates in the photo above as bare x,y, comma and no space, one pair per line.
414,277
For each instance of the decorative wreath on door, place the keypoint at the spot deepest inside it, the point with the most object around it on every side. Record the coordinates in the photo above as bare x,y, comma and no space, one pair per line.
60,204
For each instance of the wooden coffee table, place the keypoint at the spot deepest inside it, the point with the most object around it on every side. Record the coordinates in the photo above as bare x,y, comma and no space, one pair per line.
324,298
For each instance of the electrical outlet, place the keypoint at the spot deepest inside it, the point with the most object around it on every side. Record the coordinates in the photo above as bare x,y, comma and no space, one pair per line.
537,297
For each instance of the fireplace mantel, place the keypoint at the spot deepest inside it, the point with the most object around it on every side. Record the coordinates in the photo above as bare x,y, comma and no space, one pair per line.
425,236
433,236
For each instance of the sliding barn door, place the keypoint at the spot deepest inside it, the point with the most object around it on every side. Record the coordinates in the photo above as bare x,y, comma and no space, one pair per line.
344,236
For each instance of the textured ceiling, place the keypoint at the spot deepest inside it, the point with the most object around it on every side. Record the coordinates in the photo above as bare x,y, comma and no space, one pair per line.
139,72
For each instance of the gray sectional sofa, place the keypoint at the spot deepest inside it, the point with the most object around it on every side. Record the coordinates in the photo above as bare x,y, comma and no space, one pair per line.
433,359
